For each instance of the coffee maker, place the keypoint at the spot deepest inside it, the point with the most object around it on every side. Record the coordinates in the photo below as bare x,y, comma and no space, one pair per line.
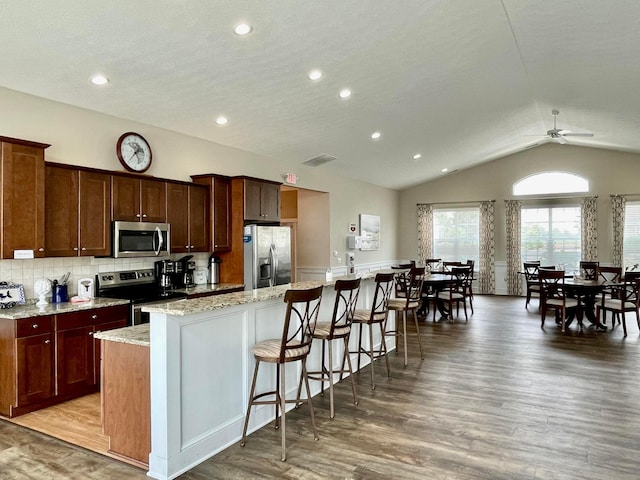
188,268
165,273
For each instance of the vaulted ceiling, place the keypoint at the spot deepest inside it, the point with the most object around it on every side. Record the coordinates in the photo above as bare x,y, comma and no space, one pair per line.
460,82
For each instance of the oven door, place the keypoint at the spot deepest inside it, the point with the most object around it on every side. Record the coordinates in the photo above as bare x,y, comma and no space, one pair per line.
141,239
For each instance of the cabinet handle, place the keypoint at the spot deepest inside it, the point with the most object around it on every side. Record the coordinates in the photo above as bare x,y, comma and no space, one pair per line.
91,334
137,215
47,341
186,246
35,325
75,249
94,316
144,215
41,249
84,249
191,246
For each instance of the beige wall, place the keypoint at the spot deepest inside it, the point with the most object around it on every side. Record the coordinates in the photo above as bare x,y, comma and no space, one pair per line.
609,172
83,137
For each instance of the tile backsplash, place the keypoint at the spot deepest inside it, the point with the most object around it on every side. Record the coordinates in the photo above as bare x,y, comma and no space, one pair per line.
25,272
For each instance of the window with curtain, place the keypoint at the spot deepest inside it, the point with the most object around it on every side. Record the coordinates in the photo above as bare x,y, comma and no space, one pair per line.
551,235
456,234
631,242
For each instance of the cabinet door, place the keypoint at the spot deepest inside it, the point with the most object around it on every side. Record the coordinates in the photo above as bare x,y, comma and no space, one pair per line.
252,200
198,218
74,360
270,202
61,212
178,216
126,198
95,215
154,201
221,214
23,180
34,368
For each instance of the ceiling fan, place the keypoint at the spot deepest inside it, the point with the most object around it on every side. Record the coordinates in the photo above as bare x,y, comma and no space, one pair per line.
559,134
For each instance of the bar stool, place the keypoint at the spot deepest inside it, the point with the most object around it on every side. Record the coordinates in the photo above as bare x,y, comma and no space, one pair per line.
338,328
377,315
409,303
299,323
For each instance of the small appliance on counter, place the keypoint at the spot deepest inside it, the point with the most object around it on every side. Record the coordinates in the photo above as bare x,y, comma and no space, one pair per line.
186,280
201,277
214,270
166,273
85,288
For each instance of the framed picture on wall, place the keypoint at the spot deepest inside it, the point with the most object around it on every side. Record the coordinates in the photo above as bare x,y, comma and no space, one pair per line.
369,232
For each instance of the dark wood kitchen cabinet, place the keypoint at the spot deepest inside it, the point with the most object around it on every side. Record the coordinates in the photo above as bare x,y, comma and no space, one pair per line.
77,212
22,198
220,207
50,359
138,199
261,200
188,214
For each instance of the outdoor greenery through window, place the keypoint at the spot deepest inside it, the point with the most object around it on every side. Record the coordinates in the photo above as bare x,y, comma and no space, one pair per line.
551,235
631,243
456,234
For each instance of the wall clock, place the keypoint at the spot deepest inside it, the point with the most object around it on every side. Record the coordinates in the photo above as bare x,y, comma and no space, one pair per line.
134,152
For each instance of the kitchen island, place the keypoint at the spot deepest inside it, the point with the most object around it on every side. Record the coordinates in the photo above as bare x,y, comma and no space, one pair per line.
200,370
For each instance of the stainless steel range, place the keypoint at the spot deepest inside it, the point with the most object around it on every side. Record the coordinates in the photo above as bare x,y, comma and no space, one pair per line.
140,287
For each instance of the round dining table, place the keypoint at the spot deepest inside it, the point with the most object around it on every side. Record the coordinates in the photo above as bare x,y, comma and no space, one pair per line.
432,285
585,291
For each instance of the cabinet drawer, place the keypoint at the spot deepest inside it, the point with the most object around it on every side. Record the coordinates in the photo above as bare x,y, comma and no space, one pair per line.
27,327
94,316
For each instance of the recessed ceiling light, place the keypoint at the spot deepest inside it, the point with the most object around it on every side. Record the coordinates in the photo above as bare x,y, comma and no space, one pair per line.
345,93
376,135
417,156
444,170
315,74
222,120
99,80
242,29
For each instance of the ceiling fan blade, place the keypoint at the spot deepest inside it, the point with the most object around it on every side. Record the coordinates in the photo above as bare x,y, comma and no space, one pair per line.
561,139
575,134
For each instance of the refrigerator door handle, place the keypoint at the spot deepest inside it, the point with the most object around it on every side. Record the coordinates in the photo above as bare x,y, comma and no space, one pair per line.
273,260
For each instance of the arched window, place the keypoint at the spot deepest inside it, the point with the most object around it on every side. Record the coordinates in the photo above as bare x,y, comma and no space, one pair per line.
551,182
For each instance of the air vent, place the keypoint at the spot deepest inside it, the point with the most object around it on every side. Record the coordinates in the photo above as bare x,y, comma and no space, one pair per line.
319,160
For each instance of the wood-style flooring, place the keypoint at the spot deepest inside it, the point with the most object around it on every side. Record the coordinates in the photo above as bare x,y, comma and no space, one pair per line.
494,398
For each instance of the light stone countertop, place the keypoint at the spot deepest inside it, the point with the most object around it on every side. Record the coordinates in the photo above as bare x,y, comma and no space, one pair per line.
31,310
139,334
135,335
209,289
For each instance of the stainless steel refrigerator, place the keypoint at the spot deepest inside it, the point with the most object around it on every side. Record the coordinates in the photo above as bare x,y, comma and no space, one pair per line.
267,256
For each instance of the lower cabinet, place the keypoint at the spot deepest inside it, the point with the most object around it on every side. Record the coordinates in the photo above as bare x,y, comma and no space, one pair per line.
51,359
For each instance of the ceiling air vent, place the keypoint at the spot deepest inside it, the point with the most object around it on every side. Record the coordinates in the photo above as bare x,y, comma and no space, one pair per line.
319,160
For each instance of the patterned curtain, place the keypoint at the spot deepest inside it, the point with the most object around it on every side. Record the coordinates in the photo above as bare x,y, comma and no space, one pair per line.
512,213
589,242
486,269
617,213
425,232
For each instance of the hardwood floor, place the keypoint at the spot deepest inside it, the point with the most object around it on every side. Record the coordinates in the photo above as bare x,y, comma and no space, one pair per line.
494,398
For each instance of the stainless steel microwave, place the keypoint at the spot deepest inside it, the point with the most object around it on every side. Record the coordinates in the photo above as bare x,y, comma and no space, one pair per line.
141,239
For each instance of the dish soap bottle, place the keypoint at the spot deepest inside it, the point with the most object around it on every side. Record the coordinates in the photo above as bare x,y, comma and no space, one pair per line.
328,276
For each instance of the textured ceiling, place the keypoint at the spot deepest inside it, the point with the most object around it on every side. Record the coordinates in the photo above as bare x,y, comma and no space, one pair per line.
460,81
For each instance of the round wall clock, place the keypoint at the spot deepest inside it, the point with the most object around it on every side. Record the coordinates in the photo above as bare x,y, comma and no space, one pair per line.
134,152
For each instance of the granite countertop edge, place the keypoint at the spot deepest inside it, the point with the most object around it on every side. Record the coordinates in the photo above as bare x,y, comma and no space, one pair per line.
134,335
32,310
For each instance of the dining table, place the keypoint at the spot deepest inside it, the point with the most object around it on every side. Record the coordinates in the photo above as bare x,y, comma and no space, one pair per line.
586,291
433,284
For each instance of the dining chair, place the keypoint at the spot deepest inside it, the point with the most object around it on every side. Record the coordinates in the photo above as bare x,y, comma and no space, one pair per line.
456,292
431,264
553,295
338,328
530,271
376,315
402,278
589,270
409,303
294,346
472,264
447,266
609,274
623,298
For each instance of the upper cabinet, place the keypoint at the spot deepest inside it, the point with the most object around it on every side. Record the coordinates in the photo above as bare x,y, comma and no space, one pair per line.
188,214
139,199
220,208
77,212
22,200
261,200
